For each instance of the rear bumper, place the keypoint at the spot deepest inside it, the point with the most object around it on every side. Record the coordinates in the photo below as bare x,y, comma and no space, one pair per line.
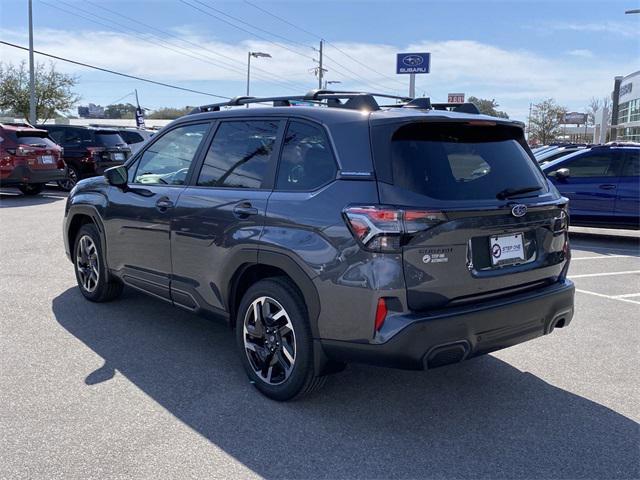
23,174
428,341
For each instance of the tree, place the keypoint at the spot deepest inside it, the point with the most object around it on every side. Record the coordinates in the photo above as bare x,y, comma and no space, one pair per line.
169,113
53,90
120,110
545,121
488,107
596,104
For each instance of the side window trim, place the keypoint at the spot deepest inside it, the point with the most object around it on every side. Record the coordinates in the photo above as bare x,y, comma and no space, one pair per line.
330,144
270,176
134,161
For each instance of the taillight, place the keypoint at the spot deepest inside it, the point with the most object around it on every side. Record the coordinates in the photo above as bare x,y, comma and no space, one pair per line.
96,154
381,314
386,229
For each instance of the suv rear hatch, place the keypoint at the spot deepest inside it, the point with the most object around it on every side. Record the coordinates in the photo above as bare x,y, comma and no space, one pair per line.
110,149
35,148
478,218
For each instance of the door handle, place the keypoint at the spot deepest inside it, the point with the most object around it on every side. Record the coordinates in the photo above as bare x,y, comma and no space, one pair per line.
244,210
607,186
163,204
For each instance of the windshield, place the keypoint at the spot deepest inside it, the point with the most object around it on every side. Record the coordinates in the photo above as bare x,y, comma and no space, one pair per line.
462,162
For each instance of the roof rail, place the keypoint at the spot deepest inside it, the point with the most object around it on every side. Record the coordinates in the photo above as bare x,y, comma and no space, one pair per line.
330,98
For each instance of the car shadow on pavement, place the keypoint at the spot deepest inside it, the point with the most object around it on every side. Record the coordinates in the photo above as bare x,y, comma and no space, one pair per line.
481,419
10,198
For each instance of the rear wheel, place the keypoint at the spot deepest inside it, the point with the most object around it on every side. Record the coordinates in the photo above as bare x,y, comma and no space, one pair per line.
94,281
31,188
72,178
274,339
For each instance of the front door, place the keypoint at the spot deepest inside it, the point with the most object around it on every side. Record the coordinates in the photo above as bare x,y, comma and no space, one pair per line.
219,218
138,218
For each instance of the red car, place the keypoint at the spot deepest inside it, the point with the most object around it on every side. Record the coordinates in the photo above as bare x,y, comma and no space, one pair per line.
29,158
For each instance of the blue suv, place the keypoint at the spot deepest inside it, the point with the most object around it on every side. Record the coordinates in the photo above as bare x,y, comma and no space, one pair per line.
602,184
414,235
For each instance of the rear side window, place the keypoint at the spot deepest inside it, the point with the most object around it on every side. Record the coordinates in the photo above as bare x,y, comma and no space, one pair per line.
57,135
240,155
306,162
631,164
131,137
461,162
592,165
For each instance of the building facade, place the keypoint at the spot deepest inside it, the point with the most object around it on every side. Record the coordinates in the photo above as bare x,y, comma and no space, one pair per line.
627,127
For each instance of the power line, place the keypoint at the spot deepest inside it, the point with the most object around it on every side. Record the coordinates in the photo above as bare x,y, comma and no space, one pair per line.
199,47
141,37
242,28
321,38
62,59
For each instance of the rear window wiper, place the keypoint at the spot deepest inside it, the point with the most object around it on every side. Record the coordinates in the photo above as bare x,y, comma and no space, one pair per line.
512,192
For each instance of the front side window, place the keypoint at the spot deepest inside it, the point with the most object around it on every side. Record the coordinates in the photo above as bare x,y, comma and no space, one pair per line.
593,165
167,161
240,155
306,162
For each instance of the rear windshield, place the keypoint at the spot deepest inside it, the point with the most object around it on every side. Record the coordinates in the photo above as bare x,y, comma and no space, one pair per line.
461,162
33,139
108,139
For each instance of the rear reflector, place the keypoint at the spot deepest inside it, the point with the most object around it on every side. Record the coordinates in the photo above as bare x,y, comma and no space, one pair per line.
381,314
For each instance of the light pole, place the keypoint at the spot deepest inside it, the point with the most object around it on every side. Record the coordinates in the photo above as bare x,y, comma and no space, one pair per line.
254,55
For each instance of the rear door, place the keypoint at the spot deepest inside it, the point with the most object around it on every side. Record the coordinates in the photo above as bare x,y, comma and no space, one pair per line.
466,175
592,183
628,198
219,217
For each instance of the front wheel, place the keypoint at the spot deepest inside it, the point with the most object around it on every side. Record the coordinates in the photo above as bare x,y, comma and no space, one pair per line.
31,188
94,281
274,339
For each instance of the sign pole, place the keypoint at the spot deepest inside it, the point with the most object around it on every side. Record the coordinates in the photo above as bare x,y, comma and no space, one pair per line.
32,76
412,85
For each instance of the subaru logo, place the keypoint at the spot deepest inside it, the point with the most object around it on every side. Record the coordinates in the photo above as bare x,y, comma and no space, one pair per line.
413,60
519,210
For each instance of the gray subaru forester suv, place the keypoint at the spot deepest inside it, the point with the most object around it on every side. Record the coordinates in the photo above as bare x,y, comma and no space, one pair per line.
328,229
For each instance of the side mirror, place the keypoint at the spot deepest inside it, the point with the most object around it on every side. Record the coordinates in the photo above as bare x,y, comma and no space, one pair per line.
117,176
563,173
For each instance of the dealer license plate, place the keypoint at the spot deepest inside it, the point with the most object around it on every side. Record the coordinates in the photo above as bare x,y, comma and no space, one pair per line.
47,159
506,249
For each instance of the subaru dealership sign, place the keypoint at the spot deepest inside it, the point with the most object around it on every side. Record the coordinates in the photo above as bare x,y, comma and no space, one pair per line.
413,63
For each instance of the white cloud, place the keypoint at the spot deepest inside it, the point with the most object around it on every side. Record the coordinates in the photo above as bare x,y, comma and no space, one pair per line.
628,28
581,52
513,77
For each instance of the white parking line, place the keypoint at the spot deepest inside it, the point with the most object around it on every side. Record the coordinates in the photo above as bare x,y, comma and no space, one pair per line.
603,256
626,295
586,248
605,274
610,297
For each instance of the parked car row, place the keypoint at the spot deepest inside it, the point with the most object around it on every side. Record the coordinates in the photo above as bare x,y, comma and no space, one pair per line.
32,157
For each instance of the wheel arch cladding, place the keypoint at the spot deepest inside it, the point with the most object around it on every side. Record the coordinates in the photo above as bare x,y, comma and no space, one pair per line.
272,264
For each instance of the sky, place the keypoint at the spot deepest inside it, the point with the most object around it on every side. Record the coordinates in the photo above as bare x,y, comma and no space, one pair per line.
518,52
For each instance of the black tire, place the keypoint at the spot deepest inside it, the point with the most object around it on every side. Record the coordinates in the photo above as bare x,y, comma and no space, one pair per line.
105,288
31,188
302,379
72,178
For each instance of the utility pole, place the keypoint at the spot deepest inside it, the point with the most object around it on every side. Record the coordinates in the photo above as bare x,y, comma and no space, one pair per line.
529,122
32,73
320,67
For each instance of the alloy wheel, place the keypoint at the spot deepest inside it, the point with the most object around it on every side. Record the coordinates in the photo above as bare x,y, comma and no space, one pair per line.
269,340
87,264
69,182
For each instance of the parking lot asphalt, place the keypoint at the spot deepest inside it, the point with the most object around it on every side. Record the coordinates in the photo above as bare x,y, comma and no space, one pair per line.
136,389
